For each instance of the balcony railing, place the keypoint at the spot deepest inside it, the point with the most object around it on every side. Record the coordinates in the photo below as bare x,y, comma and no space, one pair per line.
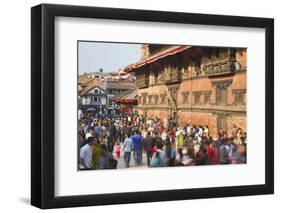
219,67
172,77
94,102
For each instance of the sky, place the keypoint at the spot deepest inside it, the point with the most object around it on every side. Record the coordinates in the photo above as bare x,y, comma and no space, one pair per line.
111,57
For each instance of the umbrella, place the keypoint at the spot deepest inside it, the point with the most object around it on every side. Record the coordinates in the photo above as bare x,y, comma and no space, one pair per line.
91,109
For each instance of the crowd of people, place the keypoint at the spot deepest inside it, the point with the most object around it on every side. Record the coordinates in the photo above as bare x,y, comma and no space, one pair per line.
104,141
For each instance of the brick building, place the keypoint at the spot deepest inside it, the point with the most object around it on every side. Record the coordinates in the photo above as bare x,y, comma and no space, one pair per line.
195,85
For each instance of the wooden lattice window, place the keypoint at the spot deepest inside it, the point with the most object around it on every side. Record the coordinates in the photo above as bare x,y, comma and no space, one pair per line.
174,93
197,96
144,95
156,98
162,98
150,99
139,99
207,98
221,96
184,97
221,91
239,96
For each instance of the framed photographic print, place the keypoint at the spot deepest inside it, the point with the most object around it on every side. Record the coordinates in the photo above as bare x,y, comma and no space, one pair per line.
141,106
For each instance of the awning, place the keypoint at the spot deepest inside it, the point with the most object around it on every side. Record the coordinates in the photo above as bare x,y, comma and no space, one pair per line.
127,97
91,109
125,100
170,51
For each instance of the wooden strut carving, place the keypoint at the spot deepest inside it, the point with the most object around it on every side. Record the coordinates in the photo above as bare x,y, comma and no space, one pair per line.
172,107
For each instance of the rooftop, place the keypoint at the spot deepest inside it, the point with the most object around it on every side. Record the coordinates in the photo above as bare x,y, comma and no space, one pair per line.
162,54
120,85
128,96
90,85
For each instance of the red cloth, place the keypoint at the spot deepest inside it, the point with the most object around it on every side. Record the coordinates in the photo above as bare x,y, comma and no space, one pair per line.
172,133
153,149
212,154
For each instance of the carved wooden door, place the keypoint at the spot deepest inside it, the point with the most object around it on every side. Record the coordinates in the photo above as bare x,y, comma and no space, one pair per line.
222,122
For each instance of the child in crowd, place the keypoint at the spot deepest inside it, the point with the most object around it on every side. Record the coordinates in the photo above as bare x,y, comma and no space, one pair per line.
118,149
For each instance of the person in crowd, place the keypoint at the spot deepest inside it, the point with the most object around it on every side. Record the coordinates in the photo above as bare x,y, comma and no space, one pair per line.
202,157
188,130
180,137
206,130
239,155
147,146
180,144
234,130
90,133
199,133
210,151
170,153
238,136
158,158
86,155
106,160
118,150
97,129
113,132
96,151
127,149
137,141
164,136
172,134
223,152
110,142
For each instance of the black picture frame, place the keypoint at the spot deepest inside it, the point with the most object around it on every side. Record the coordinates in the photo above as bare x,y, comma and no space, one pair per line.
43,102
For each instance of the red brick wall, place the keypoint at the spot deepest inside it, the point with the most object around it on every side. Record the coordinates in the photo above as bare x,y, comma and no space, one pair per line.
204,114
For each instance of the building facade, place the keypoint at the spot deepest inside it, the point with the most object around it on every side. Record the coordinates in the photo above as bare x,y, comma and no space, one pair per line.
113,89
94,100
95,94
194,85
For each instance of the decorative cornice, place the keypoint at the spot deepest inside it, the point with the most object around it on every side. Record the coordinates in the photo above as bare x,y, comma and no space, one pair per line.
222,82
230,110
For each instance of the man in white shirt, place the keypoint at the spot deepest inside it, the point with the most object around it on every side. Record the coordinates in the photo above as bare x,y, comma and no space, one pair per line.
188,130
86,153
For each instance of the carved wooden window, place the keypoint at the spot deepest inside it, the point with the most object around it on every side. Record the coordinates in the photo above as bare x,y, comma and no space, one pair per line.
221,91
184,97
139,99
156,98
144,95
150,99
221,95
142,79
197,96
239,96
174,93
207,98
162,98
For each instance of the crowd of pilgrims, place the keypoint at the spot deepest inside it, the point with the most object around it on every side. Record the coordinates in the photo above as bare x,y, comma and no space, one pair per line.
103,141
